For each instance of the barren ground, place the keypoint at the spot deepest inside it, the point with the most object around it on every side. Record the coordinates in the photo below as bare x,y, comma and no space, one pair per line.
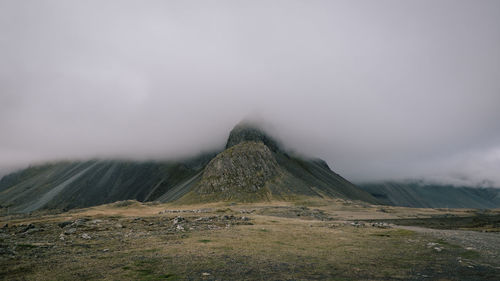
306,240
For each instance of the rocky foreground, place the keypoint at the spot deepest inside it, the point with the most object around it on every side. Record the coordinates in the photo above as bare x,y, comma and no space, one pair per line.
337,240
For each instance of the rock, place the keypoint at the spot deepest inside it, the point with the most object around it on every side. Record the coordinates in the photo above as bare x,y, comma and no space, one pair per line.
119,225
178,220
7,251
70,231
204,210
79,222
32,230
64,224
205,274
380,225
105,250
28,227
86,236
431,244
61,237
179,227
96,221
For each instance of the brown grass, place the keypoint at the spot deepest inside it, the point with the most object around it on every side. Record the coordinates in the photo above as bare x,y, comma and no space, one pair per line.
273,248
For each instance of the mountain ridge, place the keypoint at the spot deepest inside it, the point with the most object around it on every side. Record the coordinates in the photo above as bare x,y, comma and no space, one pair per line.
415,193
253,167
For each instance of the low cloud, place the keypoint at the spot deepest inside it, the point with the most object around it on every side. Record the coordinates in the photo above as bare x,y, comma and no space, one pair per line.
386,90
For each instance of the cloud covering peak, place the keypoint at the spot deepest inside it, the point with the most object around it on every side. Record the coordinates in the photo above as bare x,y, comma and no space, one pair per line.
385,90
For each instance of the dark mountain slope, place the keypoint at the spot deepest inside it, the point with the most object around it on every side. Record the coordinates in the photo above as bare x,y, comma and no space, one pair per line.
67,185
316,176
417,194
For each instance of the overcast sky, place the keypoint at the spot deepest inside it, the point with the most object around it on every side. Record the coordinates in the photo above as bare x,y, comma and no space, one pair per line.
379,89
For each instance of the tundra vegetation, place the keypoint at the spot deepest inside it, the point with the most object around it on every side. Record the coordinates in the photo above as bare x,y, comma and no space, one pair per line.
309,239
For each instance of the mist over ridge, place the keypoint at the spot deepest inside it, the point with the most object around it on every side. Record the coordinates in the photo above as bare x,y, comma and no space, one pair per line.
377,92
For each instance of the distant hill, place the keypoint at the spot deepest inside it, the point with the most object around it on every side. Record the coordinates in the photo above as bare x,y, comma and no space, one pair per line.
422,195
253,167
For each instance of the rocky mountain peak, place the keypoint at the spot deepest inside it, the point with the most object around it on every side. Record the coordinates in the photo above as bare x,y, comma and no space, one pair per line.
246,131
244,167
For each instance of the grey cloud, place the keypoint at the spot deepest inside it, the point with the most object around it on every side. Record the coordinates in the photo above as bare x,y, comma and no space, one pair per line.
381,90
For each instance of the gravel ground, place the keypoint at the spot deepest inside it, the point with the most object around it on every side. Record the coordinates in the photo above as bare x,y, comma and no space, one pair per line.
486,243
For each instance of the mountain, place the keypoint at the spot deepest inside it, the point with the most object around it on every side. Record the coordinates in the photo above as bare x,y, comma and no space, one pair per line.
423,195
253,167
67,185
